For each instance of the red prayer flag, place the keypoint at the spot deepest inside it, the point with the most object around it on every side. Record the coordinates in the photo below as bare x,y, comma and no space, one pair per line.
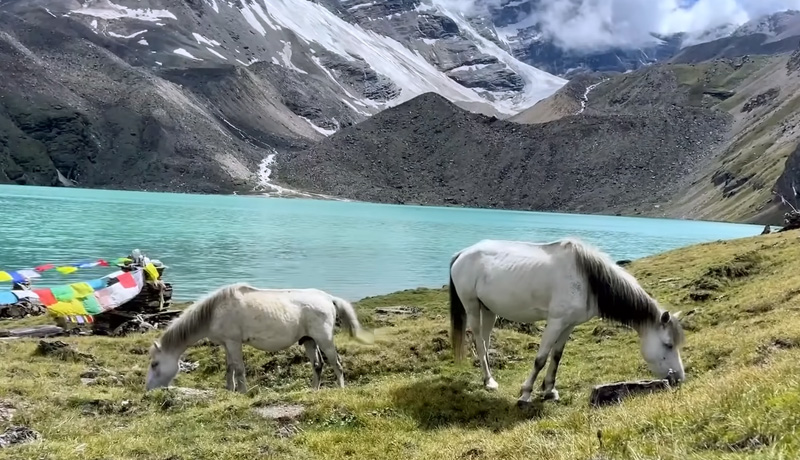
102,263
44,267
45,296
126,280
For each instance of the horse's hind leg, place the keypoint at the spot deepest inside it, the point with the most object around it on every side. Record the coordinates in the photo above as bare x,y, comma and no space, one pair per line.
487,324
329,349
314,355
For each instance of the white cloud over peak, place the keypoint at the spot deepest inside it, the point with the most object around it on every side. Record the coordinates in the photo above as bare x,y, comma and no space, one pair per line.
598,24
602,24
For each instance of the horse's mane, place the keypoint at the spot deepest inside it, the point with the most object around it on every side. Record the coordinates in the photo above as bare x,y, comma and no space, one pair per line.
619,296
198,315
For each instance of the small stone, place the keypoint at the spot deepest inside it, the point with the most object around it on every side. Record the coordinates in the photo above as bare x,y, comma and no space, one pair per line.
280,412
17,435
612,393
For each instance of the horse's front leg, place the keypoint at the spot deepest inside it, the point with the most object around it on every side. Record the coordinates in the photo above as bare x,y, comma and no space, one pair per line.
236,364
229,370
549,383
552,331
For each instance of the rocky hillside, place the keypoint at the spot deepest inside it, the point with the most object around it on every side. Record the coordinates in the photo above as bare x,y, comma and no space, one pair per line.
746,174
429,151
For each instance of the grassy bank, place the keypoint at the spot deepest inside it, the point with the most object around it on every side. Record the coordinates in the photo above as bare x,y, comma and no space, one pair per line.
405,398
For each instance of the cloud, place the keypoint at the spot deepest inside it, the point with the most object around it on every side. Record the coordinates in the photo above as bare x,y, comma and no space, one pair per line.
602,24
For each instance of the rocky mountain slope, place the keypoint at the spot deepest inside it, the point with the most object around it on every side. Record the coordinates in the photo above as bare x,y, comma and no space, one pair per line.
704,140
750,173
745,177
429,151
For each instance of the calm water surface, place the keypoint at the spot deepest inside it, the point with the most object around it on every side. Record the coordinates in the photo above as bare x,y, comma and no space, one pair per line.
351,249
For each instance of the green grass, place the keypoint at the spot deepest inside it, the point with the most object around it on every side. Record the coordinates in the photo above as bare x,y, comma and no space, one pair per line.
406,399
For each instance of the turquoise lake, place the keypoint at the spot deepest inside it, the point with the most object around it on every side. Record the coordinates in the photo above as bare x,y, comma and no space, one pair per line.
350,249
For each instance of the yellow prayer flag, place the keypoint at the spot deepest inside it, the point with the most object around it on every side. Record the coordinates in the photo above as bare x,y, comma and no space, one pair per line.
151,270
81,289
4,276
66,269
70,308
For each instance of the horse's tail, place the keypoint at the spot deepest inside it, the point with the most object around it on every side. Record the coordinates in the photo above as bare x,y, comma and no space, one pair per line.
458,317
350,320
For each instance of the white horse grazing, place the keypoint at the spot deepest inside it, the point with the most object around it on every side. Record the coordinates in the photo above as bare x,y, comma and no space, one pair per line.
565,282
267,319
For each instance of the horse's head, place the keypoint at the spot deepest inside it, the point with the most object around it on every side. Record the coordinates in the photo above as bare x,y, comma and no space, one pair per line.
661,342
163,367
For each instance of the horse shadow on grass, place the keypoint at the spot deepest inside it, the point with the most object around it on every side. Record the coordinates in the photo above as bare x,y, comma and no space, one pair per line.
441,402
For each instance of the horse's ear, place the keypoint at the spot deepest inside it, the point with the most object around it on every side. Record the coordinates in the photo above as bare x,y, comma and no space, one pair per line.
156,346
665,317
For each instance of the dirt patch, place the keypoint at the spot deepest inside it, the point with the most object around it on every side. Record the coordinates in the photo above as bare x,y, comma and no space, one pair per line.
100,376
760,100
765,351
15,435
524,328
60,350
386,316
716,277
96,407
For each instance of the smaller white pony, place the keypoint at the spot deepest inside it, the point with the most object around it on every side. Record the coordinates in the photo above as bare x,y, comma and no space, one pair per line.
267,319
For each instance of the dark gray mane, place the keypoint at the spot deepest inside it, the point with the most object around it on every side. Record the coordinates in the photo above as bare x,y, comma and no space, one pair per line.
196,318
619,296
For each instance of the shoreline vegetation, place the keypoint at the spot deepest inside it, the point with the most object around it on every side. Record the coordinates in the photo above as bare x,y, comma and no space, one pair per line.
83,397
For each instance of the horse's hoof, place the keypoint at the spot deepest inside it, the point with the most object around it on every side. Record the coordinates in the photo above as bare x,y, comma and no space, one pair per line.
551,396
491,385
523,404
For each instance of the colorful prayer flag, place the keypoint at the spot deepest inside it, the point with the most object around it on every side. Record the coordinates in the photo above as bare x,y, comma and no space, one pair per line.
99,283
4,276
63,293
81,289
151,270
91,305
66,308
45,296
126,280
28,273
66,269
7,298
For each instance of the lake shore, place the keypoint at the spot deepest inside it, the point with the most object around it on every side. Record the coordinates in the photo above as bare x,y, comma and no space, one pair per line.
406,399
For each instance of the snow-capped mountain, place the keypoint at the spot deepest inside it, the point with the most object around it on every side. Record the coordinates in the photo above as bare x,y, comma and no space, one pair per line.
356,44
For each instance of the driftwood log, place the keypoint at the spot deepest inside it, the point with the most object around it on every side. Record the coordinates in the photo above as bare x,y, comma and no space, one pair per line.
612,393
36,331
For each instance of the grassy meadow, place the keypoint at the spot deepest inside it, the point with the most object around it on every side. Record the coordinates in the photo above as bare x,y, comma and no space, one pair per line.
405,399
